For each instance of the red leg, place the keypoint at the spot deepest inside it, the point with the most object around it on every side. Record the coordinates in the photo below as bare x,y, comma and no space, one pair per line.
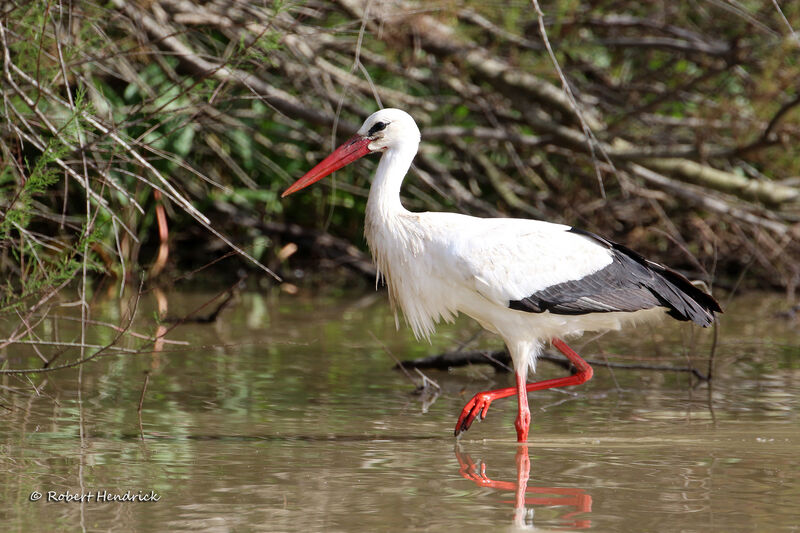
480,403
523,421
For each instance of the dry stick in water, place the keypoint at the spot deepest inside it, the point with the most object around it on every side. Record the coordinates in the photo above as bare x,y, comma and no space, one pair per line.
190,318
714,342
141,402
425,379
396,360
211,317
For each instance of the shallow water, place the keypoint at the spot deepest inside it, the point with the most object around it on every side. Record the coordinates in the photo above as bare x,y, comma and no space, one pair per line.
285,415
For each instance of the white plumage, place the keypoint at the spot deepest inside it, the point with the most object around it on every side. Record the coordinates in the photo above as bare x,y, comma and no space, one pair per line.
439,264
526,280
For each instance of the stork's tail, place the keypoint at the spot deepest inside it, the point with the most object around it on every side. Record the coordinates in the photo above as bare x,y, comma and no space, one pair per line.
684,300
672,290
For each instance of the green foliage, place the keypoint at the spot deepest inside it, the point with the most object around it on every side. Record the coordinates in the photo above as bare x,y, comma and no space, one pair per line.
163,119
17,199
38,259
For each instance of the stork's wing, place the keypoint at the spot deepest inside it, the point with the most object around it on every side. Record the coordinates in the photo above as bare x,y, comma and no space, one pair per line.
512,259
536,267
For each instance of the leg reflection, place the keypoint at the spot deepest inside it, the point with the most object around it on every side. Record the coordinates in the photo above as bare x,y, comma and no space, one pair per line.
550,496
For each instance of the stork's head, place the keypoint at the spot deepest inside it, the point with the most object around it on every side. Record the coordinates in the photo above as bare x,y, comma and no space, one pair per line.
388,128
383,130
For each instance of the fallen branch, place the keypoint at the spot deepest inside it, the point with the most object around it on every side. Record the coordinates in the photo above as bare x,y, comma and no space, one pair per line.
207,319
500,360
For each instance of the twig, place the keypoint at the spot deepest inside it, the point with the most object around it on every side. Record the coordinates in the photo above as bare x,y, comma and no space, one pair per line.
426,380
713,352
84,359
792,33
399,365
591,140
211,317
141,402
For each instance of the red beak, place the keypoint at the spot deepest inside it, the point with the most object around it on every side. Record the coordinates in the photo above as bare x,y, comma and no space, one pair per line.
355,148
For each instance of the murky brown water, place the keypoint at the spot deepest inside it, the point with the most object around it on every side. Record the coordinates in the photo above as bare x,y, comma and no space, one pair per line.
285,416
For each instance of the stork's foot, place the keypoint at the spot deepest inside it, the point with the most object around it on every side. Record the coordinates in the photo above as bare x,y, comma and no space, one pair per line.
478,405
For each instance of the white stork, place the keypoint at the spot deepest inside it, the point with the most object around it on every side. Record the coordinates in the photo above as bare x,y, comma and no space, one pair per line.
526,280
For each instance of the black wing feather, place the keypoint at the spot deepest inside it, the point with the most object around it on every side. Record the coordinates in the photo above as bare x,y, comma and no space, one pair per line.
630,283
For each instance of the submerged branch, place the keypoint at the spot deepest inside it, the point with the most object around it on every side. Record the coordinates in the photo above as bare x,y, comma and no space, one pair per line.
501,361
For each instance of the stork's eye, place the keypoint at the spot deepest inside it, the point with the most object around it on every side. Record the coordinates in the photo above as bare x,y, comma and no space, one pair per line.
378,126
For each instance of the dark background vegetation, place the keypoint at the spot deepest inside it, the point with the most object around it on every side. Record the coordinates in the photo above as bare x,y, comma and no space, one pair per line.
144,139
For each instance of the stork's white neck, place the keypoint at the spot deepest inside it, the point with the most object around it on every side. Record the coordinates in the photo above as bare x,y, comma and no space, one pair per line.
384,194
394,236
